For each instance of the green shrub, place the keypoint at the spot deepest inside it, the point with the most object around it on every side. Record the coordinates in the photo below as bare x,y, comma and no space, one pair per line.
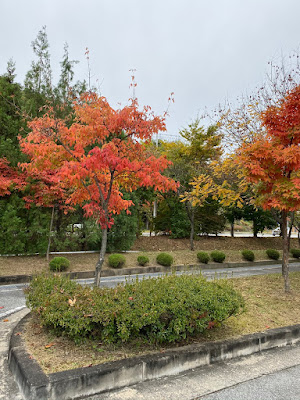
163,310
142,260
273,254
203,257
164,259
42,286
295,253
248,255
58,264
217,256
116,260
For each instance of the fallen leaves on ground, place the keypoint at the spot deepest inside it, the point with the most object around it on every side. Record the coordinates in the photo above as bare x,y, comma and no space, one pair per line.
48,346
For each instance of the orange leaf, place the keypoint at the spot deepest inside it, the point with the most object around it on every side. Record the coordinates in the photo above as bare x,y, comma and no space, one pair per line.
47,346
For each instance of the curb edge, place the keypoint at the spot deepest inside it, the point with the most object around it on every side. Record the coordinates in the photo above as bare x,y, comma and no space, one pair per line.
72,384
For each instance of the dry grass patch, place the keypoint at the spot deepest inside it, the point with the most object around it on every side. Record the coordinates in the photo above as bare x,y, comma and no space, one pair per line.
267,307
151,246
209,243
29,265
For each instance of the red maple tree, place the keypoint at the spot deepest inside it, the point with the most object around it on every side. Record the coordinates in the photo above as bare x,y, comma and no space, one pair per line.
10,178
99,154
273,161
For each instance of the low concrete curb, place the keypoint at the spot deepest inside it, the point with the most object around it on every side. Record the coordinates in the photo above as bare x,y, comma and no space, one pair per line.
15,279
66,385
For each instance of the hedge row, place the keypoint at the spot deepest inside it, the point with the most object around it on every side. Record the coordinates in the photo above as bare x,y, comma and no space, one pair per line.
59,264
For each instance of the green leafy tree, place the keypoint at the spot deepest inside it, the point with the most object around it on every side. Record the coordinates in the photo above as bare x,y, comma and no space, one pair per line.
210,218
11,121
22,230
172,217
262,219
39,78
66,90
192,158
122,234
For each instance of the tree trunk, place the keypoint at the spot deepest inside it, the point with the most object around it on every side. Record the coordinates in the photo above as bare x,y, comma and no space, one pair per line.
191,216
139,224
50,230
255,230
232,229
290,229
192,222
285,257
101,257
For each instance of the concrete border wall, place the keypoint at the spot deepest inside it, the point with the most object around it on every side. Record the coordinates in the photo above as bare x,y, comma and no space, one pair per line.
66,385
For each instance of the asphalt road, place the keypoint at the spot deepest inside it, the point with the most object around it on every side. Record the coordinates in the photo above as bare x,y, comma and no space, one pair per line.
12,297
283,385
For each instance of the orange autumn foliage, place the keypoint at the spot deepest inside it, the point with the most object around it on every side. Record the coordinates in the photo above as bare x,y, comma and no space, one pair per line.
273,161
10,178
98,155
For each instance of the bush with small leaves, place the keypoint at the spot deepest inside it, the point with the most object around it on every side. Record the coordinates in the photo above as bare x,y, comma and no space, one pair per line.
248,255
164,259
273,254
217,256
203,257
59,264
142,260
158,310
116,260
295,253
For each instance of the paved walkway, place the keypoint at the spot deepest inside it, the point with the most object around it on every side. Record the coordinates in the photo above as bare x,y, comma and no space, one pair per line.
8,387
245,378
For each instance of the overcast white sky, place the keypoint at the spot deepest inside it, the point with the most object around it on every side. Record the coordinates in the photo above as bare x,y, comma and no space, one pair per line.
203,51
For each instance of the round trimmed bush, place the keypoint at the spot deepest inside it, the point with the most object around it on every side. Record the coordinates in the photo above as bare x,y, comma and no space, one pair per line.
142,260
273,254
59,264
295,253
248,255
116,260
164,259
203,257
217,256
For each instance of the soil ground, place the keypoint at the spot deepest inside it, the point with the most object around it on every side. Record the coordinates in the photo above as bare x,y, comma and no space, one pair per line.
151,246
209,243
267,306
